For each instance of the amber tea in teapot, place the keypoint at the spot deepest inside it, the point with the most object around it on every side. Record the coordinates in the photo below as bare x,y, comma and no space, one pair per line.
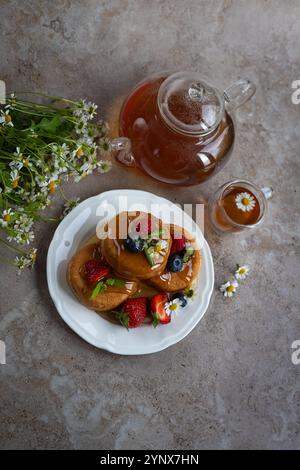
177,128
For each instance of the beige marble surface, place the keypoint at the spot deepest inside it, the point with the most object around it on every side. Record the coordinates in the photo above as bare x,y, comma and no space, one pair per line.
231,382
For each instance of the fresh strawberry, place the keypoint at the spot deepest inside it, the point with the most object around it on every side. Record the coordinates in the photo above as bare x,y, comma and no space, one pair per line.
158,311
94,271
178,245
133,312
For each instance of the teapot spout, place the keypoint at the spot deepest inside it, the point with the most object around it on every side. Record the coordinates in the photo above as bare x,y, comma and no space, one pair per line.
239,93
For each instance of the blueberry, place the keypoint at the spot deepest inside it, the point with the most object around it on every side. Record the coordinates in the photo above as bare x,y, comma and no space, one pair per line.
182,298
135,246
175,263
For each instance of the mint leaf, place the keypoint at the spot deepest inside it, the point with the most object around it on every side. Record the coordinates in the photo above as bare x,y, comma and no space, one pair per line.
98,289
114,282
188,254
189,292
155,319
157,233
149,256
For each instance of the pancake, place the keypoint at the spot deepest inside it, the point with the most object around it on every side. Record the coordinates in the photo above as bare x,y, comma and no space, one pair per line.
111,298
173,282
125,263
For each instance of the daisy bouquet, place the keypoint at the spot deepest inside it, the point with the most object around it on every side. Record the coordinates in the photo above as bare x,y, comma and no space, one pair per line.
42,145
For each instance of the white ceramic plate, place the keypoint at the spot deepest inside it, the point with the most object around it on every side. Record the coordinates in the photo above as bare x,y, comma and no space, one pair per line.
78,226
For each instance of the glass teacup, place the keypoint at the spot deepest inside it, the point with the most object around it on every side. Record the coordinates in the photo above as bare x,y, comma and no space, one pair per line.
238,206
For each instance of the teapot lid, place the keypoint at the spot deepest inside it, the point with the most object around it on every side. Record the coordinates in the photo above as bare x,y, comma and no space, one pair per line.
189,105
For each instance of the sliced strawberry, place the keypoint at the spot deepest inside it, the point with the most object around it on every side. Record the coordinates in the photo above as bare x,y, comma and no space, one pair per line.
133,312
94,271
158,311
178,244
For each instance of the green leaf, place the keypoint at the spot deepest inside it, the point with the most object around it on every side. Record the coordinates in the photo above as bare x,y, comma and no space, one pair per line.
49,125
149,256
188,254
156,233
123,319
98,289
189,292
155,319
114,282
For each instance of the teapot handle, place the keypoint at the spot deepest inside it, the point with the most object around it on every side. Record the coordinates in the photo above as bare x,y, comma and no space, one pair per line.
239,93
122,147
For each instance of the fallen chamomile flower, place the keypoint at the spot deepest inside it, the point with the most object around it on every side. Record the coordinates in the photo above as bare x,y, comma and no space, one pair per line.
172,306
242,272
103,166
245,202
229,288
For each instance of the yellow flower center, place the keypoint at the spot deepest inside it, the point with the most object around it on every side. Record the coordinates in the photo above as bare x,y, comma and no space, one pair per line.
15,182
246,201
7,217
7,118
242,271
79,152
26,162
52,186
173,307
230,288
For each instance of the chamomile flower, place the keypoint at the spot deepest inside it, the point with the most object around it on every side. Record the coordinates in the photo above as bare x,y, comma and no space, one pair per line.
86,110
6,217
47,185
103,166
229,288
14,176
16,165
18,152
242,272
69,205
172,306
23,223
80,127
245,202
160,247
5,118
27,260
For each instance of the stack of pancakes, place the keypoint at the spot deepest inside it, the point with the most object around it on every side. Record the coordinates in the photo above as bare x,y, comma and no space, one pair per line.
133,268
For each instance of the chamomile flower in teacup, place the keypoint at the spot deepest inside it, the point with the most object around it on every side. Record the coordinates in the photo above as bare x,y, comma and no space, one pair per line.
245,201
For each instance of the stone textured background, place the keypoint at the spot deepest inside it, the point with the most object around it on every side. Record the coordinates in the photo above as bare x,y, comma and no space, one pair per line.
231,382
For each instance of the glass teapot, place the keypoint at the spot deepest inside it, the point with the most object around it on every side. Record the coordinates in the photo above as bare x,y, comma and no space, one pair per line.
177,128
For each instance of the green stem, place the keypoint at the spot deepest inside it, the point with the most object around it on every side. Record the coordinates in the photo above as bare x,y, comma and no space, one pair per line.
6,261
12,247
